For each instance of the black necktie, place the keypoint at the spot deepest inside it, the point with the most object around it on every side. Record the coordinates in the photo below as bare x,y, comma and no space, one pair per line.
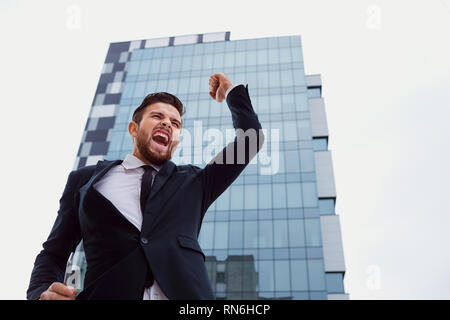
146,185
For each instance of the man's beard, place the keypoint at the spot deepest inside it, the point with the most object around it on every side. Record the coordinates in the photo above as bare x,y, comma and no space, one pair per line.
143,142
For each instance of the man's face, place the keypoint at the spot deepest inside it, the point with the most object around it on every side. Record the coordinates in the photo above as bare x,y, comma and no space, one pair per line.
158,134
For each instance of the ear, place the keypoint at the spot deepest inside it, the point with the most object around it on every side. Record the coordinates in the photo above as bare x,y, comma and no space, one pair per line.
133,128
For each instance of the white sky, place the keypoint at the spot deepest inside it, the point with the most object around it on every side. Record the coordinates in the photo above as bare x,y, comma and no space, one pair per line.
385,69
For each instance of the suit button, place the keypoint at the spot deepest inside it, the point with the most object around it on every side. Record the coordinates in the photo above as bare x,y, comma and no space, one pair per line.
144,240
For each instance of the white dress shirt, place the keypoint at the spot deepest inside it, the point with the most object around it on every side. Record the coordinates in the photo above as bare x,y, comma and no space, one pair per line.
229,89
122,186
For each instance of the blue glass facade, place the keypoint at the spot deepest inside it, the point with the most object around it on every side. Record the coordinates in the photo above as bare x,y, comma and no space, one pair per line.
262,237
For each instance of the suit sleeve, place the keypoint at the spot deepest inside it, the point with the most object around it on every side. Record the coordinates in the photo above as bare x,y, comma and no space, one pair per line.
50,264
226,166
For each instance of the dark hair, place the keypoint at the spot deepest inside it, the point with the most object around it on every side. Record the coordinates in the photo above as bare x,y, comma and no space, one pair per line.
157,97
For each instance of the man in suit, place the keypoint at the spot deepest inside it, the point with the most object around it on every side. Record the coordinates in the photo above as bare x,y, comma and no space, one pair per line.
139,218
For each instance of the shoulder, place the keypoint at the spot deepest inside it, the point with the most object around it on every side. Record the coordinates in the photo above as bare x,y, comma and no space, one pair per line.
83,171
188,169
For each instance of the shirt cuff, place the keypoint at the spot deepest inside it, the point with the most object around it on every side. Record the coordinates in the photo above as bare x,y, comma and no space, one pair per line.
229,89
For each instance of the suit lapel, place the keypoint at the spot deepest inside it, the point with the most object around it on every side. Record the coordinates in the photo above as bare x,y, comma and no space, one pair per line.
101,169
161,179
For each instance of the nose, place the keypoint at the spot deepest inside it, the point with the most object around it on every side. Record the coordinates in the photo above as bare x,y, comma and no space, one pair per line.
166,123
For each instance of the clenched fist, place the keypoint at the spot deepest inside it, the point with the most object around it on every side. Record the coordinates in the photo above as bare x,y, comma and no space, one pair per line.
59,291
218,86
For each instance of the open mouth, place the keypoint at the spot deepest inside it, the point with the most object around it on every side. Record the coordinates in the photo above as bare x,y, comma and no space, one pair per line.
161,137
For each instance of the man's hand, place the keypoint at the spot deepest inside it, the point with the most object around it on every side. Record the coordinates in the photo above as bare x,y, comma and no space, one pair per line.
218,86
59,291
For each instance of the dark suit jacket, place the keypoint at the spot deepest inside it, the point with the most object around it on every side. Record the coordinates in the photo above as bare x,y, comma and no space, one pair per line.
118,255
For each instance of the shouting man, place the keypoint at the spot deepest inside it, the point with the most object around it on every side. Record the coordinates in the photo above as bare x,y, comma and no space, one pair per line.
139,218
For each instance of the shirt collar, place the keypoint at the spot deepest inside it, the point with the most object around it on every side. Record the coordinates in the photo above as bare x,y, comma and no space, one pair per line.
133,162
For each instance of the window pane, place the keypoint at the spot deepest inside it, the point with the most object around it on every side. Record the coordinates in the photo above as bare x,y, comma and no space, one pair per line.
296,233
186,63
292,161
299,275
133,67
139,90
171,87
335,282
183,85
275,107
296,54
290,131
128,90
207,61
203,108
263,79
221,235
279,195
265,196
286,78
176,64
218,60
320,144
162,85
313,93
301,101
240,59
288,102
294,195
309,194
273,56
265,275
304,131
274,78
197,63
313,236
229,59
281,156
262,56
151,86
236,234
251,197
316,274
237,197
306,160
251,58
280,233
263,105
194,84
285,55
282,281
116,140
265,234
165,64
250,234
326,206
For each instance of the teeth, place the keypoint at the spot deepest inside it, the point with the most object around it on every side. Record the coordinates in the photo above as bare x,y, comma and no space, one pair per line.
166,138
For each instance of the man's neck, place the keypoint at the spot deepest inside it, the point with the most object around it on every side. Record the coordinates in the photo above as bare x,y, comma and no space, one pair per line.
143,159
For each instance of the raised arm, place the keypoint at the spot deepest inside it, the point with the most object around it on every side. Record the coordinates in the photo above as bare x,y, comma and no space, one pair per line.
226,166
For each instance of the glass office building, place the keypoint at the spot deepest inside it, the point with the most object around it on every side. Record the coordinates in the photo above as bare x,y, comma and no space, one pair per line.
274,233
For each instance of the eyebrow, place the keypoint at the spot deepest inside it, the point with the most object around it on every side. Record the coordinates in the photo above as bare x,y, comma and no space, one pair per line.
161,114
